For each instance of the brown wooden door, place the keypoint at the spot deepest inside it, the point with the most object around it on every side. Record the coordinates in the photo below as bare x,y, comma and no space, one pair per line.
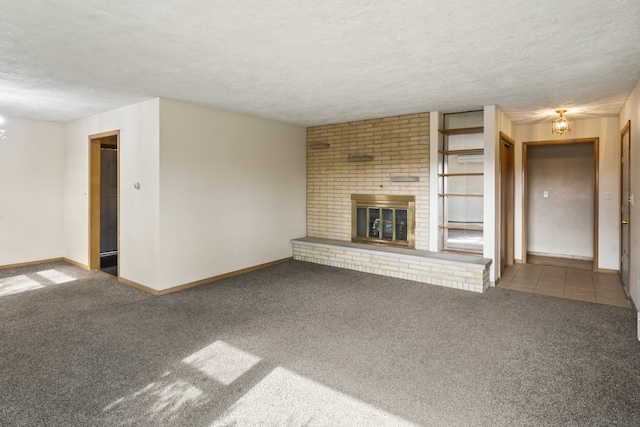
625,226
506,202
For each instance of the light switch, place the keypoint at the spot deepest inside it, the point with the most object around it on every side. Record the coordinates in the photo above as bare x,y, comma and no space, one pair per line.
545,194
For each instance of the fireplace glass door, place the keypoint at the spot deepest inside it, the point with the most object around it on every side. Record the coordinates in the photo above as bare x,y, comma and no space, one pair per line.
386,220
380,223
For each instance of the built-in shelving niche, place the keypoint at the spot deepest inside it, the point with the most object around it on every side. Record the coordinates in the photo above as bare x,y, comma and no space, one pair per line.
461,182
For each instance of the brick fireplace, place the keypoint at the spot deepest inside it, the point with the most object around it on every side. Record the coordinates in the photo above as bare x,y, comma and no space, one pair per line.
387,156
386,160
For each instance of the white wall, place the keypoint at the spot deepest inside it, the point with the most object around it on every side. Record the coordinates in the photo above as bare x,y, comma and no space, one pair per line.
31,159
139,209
495,121
436,122
232,191
608,131
560,224
197,169
631,111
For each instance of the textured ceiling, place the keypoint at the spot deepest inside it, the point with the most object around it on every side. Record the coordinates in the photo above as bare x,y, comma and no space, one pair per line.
314,62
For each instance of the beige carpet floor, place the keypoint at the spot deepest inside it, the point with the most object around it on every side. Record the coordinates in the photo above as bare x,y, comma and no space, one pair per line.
300,344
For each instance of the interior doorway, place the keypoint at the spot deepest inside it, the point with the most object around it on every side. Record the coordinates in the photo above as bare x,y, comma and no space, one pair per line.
625,187
506,195
560,204
104,192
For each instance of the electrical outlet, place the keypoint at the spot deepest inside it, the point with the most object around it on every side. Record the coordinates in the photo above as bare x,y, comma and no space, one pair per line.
545,194
238,254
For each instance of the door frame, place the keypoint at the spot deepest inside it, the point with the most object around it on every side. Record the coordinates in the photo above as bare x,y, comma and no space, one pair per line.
95,143
505,139
625,130
596,181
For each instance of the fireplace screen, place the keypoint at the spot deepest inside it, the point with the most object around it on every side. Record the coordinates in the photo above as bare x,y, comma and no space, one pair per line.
383,220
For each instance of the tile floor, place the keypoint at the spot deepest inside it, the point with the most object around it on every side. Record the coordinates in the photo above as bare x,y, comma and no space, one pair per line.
582,285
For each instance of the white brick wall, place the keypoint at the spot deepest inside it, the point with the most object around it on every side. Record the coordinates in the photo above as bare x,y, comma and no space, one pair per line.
471,278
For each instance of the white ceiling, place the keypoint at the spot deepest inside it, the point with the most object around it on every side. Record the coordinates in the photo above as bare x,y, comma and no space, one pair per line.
311,62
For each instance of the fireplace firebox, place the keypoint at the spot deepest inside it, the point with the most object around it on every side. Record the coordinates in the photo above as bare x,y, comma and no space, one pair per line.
383,220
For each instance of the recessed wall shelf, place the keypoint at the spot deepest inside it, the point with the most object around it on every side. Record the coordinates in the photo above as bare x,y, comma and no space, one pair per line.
359,158
319,145
405,178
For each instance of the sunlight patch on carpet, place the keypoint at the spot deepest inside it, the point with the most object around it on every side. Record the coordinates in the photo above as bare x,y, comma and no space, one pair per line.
56,276
222,362
284,398
17,284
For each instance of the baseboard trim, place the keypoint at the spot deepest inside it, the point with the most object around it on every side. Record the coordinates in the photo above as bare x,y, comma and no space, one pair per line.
24,264
202,281
222,276
606,270
560,256
146,288
45,261
137,286
76,263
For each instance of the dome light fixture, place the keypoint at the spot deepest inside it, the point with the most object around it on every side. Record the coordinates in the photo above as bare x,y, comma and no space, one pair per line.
561,125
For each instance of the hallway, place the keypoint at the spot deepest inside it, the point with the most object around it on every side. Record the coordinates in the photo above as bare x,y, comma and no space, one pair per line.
570,283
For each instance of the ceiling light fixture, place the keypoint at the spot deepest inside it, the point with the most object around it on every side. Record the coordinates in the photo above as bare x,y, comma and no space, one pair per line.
561,125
